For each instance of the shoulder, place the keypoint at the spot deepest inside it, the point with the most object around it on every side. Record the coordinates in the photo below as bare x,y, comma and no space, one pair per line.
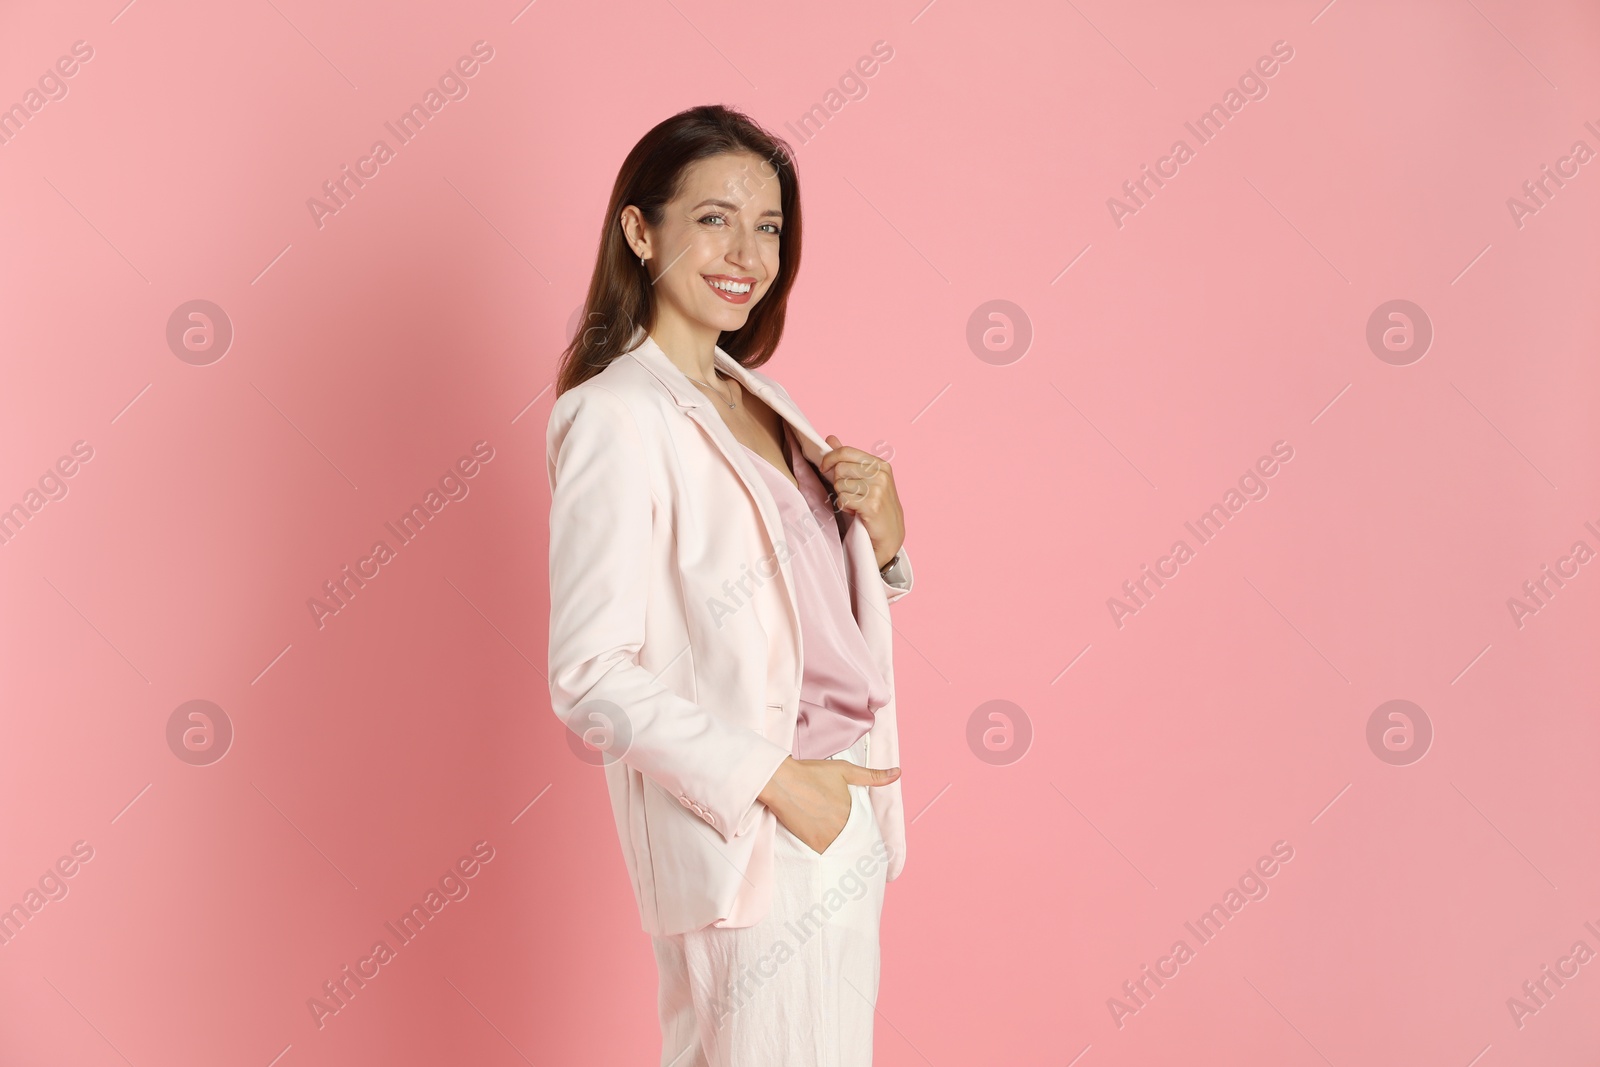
620,394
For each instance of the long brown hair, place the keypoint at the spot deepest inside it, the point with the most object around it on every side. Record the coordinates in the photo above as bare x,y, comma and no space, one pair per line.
620,294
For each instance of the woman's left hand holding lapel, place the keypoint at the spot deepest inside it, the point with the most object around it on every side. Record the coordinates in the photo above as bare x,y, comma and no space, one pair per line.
863,484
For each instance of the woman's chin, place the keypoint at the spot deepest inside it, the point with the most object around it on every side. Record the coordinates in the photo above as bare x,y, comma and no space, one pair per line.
728,319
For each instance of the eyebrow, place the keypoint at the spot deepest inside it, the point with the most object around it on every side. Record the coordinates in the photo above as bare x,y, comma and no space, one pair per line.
734,207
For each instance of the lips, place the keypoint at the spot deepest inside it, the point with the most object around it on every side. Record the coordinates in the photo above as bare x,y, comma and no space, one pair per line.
748,284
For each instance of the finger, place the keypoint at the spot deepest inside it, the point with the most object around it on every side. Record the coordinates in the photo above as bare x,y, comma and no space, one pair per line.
850,500
858,775
847,452
872,467
858,493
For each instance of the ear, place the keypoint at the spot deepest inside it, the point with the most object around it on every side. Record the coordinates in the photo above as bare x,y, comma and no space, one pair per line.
631,219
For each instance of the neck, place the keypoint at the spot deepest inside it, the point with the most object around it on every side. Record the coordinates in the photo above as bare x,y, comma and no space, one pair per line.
690,346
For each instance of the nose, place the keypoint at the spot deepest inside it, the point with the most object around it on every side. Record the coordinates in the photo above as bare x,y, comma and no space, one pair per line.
742,248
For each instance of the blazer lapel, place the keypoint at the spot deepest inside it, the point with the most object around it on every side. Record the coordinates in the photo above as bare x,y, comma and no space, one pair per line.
699,410
811,443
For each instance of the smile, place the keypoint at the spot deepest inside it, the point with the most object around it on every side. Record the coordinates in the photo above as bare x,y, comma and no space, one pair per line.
731,290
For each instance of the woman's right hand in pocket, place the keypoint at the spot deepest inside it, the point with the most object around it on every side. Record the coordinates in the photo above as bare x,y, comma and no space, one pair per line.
811,797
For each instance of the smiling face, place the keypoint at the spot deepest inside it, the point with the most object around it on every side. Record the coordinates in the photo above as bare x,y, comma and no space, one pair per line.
715,253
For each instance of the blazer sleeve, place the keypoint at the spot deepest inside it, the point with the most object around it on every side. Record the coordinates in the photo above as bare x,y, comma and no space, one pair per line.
600,532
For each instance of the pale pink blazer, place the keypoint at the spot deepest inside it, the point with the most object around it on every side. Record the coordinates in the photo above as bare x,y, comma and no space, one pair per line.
674,630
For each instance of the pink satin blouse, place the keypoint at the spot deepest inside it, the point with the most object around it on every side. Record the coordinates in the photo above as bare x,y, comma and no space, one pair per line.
840,690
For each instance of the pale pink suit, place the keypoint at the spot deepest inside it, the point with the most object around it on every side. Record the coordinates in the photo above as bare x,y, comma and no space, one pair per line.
797,989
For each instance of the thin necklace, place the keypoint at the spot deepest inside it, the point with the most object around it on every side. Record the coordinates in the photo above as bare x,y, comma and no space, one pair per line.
730,403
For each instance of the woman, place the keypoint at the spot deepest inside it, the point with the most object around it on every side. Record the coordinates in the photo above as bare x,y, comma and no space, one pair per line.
719,625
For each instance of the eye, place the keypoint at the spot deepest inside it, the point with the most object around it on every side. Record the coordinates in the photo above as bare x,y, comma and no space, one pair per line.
776,230
713,215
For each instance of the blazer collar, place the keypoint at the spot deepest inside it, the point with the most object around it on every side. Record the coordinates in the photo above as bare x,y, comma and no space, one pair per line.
643,347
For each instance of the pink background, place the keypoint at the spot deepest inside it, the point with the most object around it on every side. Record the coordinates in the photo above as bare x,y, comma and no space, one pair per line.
1167,754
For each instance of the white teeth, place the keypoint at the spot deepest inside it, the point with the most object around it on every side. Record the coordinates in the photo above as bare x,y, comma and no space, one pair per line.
731,287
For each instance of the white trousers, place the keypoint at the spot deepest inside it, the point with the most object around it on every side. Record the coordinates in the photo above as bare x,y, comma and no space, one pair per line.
797,989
